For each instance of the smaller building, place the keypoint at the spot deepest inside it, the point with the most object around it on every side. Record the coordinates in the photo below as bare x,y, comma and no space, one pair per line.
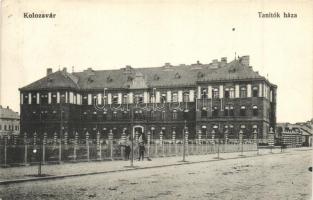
298,134
9,122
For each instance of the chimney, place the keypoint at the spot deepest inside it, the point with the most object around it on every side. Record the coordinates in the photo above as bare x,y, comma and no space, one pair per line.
215,63
64,69
245,60
49,71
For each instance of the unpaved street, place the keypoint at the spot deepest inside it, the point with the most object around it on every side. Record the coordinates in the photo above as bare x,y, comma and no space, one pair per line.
276,176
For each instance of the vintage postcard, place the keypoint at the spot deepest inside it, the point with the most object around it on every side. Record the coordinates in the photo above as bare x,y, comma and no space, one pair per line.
158,99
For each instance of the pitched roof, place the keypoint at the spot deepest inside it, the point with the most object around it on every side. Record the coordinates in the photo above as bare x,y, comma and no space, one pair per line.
8,113
59,79
165,76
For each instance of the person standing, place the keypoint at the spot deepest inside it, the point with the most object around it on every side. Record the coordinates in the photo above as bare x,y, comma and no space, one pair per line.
127,149
141,150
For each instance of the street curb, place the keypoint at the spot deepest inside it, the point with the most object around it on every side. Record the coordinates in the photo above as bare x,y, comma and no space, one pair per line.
124,170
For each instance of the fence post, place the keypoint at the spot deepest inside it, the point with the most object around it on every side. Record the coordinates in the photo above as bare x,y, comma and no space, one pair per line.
60,149
25,149
98,146
161,141
5,150
87,145
55,140
148,141
241,141
111,143
75,146
66,140
44,148
174,142
187,142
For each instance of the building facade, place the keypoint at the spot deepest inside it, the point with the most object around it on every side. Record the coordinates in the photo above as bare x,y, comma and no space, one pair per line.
9,122
219,98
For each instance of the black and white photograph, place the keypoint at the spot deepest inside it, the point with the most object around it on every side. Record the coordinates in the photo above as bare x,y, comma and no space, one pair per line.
160,99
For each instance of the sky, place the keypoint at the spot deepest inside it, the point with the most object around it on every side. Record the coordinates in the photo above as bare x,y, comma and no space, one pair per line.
113,34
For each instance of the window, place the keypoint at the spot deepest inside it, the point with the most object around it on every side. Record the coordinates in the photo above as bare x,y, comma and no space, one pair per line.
175,97
85,100
226,93
34,100
84,116
0,127
255,111
231,93
138,98
54,98
174,114
215,111
204,112
125,99
204,94
255,91
215,93
242,111
115,99
152,114
104,115
94,116
163,115
163,98
243,92
43,99
231,111
226,111
44,115
5,127
186,97
114,115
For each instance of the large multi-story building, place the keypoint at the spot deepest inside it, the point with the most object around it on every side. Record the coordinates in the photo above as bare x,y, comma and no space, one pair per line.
225,97
9,122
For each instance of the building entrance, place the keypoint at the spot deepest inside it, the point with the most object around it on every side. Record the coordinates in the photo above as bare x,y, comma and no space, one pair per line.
138,133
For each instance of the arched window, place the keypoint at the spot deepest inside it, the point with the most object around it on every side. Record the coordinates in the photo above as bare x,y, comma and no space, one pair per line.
243,92
204,112
243,111
255,111
255,91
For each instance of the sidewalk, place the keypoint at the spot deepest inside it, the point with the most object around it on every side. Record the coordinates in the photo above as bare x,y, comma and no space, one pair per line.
22,174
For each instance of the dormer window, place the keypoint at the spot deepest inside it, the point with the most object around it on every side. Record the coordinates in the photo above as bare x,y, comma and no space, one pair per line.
109,79
156,77
177,75
200,75
129,78
90,80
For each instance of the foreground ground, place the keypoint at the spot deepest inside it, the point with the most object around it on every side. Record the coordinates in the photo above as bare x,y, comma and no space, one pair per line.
275,176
